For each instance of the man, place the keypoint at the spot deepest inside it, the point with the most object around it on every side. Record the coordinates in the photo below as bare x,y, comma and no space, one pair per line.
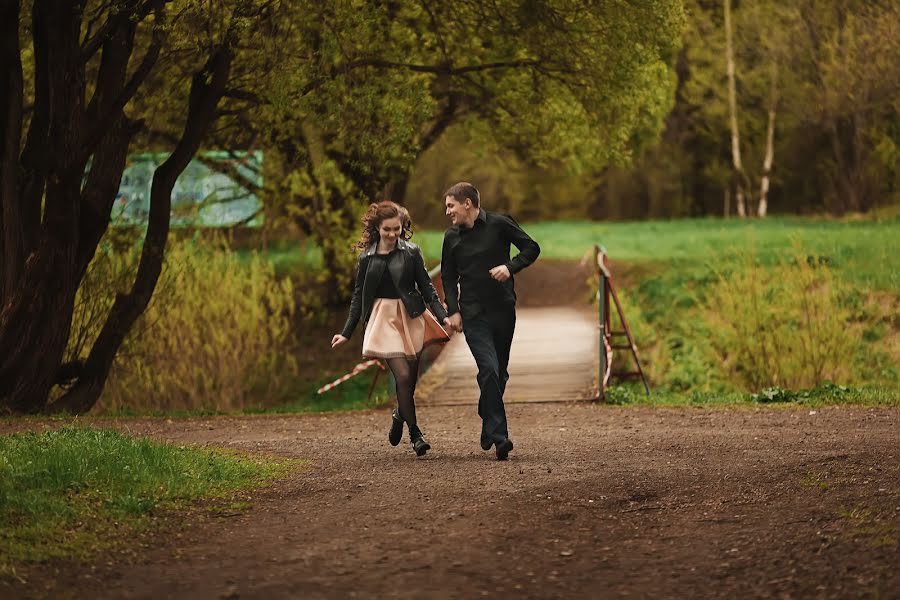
476,256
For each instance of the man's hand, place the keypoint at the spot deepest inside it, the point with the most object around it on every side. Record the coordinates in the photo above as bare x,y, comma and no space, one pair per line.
454,321
500,273
338,340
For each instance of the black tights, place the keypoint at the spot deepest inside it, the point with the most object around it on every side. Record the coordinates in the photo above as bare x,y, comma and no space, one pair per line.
406,375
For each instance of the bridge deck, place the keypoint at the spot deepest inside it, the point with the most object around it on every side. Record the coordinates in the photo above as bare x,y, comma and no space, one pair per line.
553,358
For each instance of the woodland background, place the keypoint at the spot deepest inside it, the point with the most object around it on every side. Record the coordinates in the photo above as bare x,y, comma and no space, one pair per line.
568,114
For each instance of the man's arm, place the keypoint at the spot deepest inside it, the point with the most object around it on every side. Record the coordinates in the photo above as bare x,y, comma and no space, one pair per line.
528,248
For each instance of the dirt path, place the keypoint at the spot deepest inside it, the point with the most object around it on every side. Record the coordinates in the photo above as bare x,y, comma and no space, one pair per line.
594,502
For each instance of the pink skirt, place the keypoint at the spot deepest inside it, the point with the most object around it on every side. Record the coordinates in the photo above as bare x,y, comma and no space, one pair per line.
391,333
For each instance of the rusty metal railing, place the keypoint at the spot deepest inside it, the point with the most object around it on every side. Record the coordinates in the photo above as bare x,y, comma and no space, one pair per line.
606,297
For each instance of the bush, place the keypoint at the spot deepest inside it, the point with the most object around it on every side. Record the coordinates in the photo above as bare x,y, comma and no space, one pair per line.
784,325
217,332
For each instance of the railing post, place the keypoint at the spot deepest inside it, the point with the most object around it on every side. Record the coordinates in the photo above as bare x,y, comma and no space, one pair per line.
601,319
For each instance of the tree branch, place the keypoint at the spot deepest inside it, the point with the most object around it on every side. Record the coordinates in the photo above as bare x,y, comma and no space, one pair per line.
127,11
100,117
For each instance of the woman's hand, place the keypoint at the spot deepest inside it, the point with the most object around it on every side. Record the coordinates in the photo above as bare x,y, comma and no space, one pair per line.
338,340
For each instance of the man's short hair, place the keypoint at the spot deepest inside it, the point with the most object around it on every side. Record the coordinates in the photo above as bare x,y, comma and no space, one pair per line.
462,190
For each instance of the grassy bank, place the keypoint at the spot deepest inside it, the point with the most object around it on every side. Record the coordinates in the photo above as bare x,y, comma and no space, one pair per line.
825,395
674,277
864,250
74,492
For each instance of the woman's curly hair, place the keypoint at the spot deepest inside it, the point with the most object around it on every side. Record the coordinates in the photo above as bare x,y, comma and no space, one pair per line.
375,216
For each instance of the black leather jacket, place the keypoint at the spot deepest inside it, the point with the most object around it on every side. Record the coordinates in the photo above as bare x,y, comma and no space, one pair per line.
407,268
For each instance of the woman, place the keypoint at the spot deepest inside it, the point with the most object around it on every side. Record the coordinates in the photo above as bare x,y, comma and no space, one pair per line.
391,290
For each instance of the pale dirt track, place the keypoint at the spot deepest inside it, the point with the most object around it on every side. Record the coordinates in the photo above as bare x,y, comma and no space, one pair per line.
594,502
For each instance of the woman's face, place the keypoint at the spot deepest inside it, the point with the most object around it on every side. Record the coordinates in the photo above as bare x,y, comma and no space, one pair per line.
390,230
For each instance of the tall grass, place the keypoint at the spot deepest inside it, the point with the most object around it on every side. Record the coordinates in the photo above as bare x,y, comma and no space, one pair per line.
689,294
744,321
786,325
65,493
217,334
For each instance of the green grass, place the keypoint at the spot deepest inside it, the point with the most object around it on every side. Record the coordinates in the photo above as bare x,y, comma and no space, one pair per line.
288,256
353,394
825,395
866,251
76,491
666,271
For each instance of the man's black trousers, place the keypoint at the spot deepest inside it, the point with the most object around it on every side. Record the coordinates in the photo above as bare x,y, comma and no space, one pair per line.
489,334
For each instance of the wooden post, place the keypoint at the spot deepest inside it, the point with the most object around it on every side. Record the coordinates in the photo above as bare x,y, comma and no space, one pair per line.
601,317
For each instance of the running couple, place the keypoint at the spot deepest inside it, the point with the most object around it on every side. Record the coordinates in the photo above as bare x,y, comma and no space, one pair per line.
475,258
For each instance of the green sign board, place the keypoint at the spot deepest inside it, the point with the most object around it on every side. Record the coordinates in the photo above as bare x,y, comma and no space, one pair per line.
203,196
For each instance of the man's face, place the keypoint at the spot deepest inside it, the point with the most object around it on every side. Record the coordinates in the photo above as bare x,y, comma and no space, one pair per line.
457,211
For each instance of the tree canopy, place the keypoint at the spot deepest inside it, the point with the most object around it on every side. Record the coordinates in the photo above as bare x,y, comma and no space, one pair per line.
343,97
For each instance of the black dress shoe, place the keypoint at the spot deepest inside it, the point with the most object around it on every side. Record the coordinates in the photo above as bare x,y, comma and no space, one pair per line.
418,441
503,449
396,431
486,443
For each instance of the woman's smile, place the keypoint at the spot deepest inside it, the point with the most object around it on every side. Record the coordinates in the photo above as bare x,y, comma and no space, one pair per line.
389,230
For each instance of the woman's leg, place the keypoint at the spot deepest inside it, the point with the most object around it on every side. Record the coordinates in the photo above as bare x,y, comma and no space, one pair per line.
406,374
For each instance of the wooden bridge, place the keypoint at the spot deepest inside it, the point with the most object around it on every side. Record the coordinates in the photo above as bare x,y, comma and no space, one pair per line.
553,358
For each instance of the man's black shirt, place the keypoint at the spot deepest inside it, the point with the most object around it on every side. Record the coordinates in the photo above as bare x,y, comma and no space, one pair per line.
469,255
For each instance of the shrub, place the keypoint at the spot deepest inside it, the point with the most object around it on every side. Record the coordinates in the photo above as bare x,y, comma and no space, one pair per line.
782,325
216,333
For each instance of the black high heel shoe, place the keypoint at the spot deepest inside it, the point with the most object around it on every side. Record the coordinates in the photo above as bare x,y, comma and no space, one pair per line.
418,441
396,431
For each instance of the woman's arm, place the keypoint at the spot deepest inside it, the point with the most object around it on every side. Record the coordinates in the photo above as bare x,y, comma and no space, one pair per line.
426,288
449,278
356,300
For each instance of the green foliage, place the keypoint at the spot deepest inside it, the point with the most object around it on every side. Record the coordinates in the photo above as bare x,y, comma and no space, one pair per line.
777,394
361,90
65,493
669,272
827,394
218,333
353,394
635,395
781,325
834,68
860,250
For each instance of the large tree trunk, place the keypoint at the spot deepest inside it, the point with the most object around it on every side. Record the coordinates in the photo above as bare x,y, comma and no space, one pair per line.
763,206
738,169
207,88
11,246
38,299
